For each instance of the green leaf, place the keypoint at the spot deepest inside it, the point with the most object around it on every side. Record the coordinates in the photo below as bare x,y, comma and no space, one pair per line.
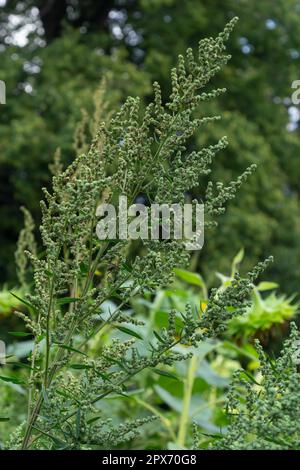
115,361
236,261
4,419
160,339
80,366
128,331
104,376
41,337
265,285
25,302
12,379
66,300
238,257
250,376
207,373
165,374
174,402
189,277
63,394
83,268
92,420
69,348
19,333
59,445
127,267
239,351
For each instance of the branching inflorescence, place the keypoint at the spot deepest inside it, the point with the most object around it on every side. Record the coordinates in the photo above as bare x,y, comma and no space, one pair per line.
264,413
135,152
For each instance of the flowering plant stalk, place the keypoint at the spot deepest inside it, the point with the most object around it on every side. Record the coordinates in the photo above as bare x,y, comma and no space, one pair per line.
132,152
263,410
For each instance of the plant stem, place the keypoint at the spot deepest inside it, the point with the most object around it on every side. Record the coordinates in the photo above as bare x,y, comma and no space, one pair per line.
31,422
188,390
118,384
48,334
165,421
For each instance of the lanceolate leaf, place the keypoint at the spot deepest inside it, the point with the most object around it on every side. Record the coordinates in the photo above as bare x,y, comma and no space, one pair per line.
265,285
164,373
189,277
160,339
69,348
129,332
80,366
12,379
25,302
66,300
19,333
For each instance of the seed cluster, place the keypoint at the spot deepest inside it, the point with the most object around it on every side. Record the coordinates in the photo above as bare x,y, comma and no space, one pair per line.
265,414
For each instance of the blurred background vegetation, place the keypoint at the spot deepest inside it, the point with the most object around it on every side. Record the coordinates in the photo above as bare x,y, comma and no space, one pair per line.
53,54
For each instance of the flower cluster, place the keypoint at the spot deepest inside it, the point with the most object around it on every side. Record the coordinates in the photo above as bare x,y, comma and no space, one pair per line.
264,412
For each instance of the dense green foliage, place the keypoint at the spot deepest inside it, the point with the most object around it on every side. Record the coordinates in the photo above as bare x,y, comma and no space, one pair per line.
138,41
265,415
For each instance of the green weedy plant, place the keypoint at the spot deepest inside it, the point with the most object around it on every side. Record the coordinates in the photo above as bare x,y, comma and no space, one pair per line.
198,396
264,412
77,273
26,241
267,315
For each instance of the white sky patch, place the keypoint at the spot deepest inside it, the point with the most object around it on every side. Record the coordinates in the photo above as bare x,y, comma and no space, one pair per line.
270,24
20,37
21,26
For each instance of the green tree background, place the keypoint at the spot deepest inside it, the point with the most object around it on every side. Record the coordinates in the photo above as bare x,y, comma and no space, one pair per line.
53,54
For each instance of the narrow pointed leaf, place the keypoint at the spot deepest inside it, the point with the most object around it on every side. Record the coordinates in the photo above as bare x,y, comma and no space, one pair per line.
165,374
12,379
20,334
128,331
66,300
25,302
69,348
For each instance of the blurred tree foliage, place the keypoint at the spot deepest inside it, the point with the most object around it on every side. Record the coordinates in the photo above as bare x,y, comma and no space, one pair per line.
71,44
